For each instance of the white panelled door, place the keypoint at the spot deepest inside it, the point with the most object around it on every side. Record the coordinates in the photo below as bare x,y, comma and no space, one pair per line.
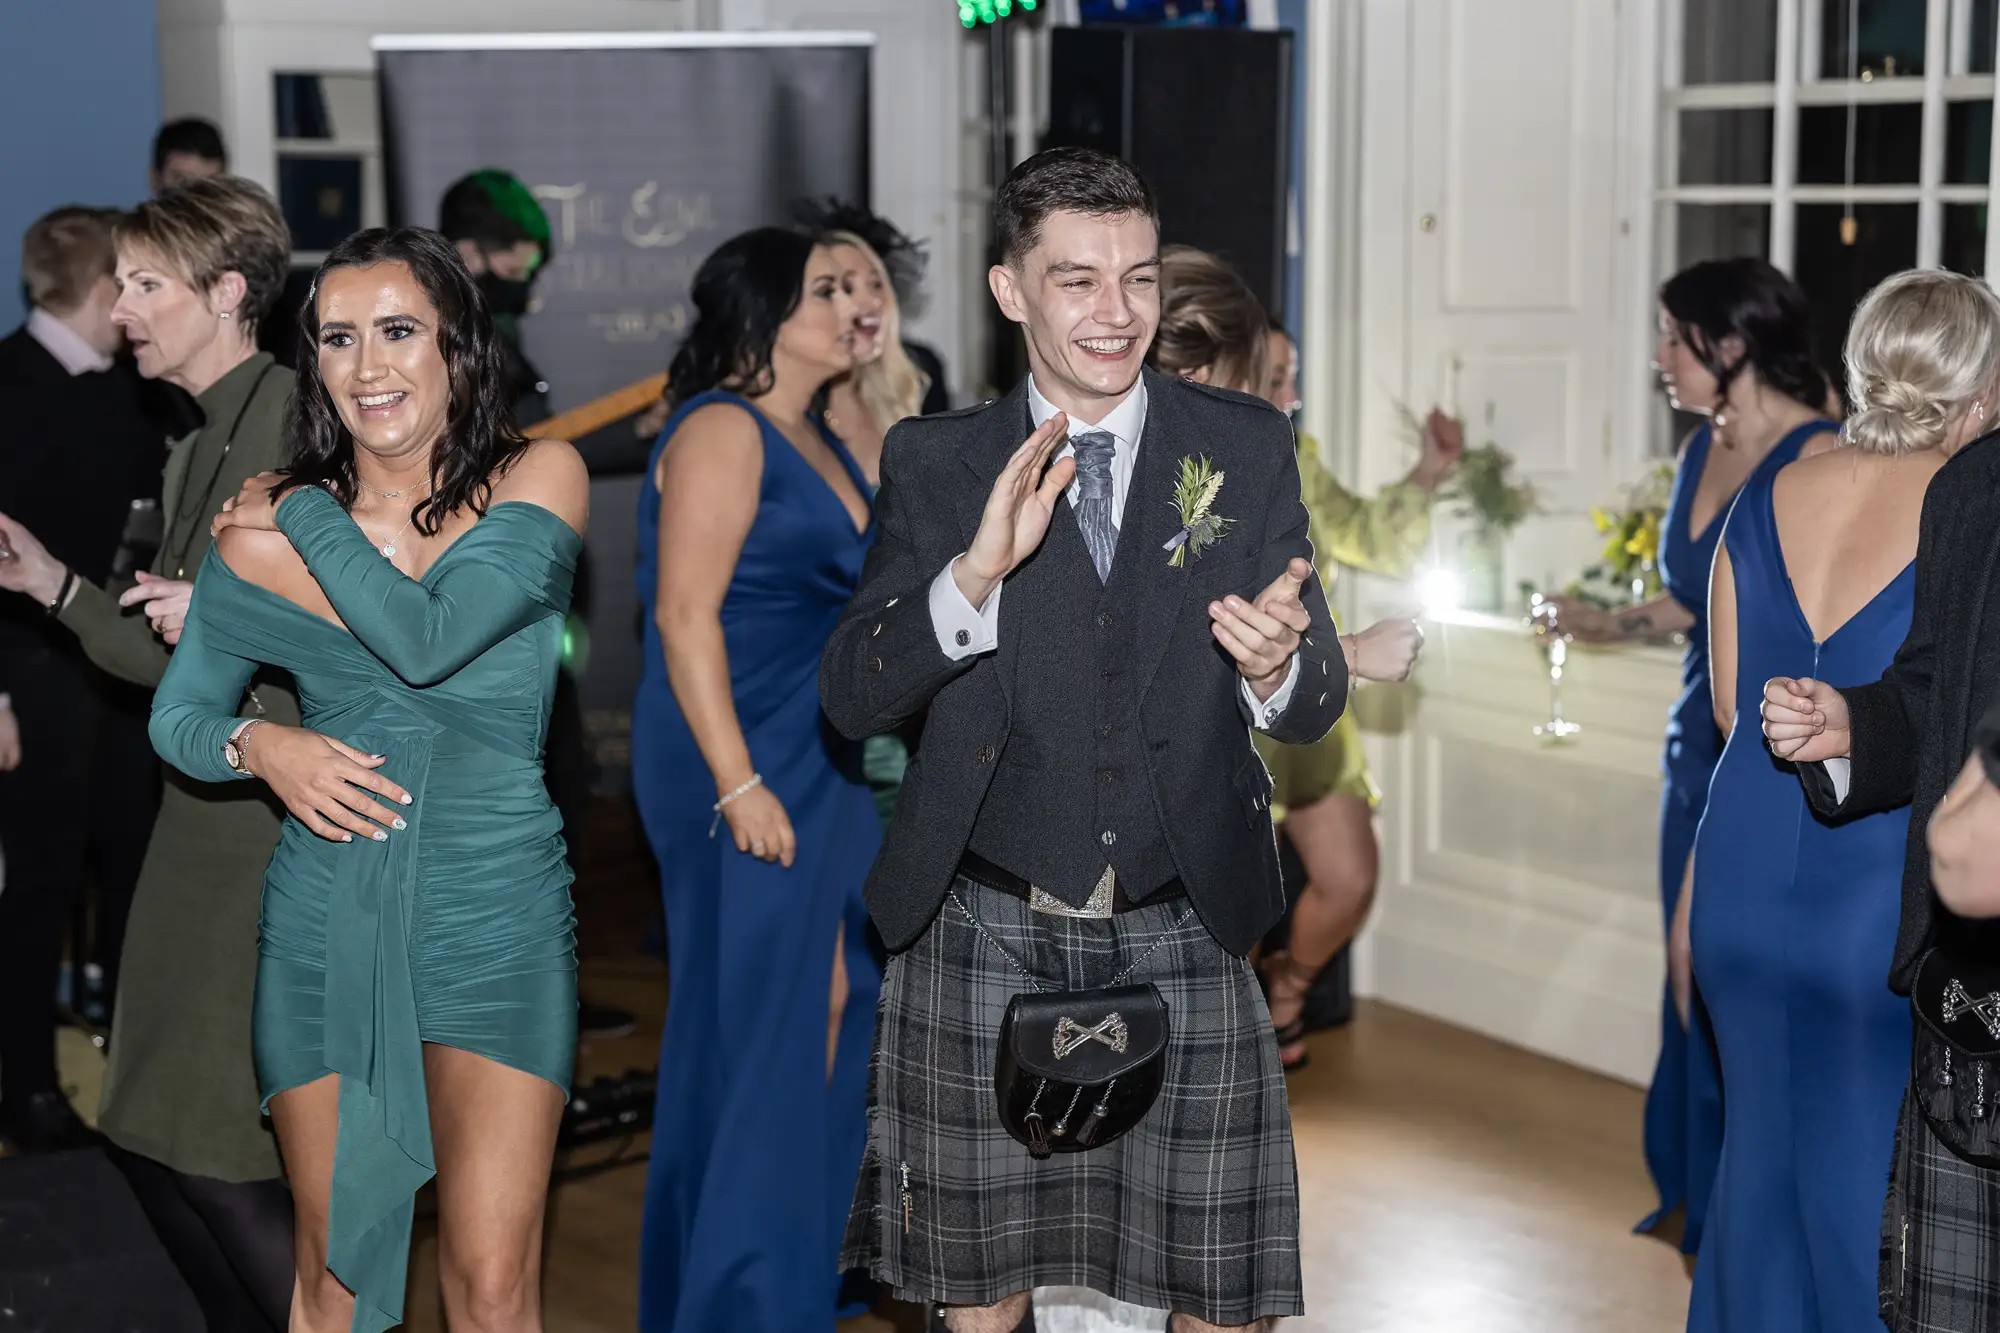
1519,889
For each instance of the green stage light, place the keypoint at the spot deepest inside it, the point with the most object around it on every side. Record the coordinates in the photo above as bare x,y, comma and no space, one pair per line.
972,13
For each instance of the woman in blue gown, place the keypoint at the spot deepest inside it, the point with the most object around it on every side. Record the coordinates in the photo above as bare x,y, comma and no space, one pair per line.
1734,346
753,524
1794,920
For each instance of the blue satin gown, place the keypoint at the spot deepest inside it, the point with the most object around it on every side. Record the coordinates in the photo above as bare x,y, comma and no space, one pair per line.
755,1149
1794,924
1684,1102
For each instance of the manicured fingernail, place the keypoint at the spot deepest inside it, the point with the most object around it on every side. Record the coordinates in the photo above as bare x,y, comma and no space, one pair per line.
379,836
400,825
407,798
347,837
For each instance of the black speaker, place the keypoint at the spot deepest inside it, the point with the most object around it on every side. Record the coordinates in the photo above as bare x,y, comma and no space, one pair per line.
1205,114
76,1254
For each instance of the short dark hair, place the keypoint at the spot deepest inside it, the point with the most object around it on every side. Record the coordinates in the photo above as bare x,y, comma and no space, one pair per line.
191,135
1065,180
743,291
480,439
495,209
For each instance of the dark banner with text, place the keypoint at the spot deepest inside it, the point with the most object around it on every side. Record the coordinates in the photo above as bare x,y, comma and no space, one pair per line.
646,151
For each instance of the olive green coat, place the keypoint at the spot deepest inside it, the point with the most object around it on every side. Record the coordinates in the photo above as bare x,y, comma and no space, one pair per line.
181,1087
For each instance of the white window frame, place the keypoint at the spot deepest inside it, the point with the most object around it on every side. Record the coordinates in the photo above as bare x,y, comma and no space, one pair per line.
1946,78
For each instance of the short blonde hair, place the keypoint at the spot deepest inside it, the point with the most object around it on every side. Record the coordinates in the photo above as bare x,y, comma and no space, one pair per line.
203,229
890,387
1210,317
1924,349
64,254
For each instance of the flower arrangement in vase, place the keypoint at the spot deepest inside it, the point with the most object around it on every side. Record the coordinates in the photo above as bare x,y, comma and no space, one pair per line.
1627,570
1484,491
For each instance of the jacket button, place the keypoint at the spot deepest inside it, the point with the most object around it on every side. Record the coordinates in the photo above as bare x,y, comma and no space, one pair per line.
875,665
1104,732
1104,620
985,754
1107,837
962,638
873,632
1106,777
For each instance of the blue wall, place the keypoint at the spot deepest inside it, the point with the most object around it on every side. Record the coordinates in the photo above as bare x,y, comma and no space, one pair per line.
79,103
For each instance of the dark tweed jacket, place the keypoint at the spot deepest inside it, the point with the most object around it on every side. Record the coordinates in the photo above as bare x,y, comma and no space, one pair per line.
1211,791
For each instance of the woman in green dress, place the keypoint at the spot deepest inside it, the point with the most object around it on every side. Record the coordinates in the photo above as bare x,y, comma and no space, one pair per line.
199,268
415,1011
1213,329
1325,797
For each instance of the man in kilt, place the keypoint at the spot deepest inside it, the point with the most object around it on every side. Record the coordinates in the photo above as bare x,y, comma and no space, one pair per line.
1097,585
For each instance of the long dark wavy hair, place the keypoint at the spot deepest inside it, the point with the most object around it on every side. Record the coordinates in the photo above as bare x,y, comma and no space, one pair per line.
480,439
743,292
1749,299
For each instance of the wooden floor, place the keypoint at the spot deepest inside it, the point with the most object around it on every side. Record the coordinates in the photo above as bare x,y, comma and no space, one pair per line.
1450,1184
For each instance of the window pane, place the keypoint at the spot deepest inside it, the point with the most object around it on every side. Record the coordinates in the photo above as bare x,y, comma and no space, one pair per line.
320,198
1891,38
1888,144
1965,239
1835,276
300,107
1731,41
1725,148
1982,35
1720,231
1968,142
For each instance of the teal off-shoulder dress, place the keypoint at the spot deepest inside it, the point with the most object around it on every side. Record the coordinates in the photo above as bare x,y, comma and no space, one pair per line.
457,930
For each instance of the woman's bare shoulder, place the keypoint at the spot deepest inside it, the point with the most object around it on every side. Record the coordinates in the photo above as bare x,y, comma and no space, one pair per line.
552,474
720,440
262,557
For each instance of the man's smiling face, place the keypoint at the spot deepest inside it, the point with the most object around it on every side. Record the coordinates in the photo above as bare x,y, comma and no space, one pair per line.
1087,295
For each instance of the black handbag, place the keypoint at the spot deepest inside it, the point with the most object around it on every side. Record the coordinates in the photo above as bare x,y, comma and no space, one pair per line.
1955,1056
1077,1069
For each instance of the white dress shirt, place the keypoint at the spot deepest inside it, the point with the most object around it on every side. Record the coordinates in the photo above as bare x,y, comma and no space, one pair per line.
965,631
65,344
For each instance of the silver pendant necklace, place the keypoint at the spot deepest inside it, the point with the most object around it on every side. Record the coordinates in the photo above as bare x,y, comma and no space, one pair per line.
388,548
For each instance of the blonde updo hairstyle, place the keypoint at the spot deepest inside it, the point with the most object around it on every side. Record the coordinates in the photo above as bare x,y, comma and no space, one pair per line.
1922,354
1209,318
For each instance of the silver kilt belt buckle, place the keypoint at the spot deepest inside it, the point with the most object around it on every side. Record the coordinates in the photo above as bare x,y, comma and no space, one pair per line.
1095,908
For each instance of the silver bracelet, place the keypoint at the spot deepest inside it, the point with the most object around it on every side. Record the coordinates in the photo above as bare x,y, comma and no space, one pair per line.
756,781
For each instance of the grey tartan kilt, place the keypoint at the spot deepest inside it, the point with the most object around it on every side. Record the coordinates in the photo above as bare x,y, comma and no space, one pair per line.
1940,1237
1196,1210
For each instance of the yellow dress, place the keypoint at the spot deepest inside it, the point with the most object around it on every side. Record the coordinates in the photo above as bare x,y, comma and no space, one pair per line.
1380,535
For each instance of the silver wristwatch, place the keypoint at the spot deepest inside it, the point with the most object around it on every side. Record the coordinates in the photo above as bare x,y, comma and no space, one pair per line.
232,749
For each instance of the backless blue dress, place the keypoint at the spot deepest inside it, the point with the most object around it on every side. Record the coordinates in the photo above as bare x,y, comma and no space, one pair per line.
1684,1103
755,1148
1794,924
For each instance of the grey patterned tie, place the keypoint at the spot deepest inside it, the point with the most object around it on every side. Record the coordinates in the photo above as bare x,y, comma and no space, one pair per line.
1094,452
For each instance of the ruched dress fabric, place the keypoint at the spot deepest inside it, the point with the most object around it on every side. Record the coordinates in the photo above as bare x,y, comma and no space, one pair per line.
1683,1123
1794,925
755,1148
458,929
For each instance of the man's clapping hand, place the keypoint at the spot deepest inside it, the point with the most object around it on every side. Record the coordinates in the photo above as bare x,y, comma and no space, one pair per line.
1017,512
1263,635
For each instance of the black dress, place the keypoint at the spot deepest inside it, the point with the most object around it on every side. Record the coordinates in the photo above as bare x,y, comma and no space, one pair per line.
75,452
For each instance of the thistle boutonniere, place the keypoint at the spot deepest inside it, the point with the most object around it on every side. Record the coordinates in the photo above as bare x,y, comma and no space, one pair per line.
1193,496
